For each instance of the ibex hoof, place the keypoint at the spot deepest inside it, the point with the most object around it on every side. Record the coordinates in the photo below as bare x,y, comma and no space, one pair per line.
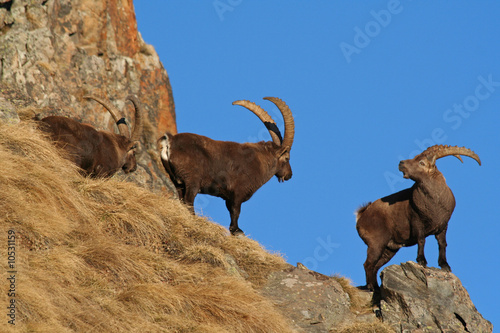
422,262
370,287
237,232
445,267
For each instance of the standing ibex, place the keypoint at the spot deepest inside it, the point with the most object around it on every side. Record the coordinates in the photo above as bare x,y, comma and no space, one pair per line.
229,170
407,217
98,153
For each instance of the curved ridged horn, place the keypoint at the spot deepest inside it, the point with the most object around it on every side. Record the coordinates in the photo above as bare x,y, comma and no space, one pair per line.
137,130
265,118
439,151
288,118
120,121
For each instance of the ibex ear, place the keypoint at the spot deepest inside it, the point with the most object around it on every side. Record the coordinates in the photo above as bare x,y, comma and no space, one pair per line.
431,159
132,145
283,150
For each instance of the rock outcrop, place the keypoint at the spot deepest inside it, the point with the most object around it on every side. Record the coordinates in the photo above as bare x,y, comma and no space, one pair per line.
418,299
314,302
56,51
413,299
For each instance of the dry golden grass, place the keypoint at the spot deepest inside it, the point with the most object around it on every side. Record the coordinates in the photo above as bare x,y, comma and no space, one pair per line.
357,303
365,328
108,256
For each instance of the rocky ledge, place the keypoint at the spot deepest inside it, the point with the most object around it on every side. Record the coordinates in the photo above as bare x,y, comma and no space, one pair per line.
418,299
412,299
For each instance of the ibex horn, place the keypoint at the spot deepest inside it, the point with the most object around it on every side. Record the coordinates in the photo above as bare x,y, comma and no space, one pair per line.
439,151
288,118
120,121
265,118
137,130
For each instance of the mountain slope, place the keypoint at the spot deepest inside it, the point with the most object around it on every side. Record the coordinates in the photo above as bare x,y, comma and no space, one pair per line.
109,256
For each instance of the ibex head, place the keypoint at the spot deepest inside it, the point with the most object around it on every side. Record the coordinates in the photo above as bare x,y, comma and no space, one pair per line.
282,145
127,145
423,165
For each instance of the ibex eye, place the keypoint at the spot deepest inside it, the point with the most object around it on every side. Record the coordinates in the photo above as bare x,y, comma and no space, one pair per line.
422,163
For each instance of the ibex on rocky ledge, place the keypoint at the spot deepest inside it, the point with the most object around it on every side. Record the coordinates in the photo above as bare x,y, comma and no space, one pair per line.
407,217
229,170
98,153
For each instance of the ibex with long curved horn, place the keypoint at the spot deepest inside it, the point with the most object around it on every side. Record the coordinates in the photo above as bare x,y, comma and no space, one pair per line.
229,170
407,217
98,153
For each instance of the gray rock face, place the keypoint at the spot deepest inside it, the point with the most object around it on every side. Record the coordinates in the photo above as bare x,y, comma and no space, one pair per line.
418,299
413,299
314,302
8,114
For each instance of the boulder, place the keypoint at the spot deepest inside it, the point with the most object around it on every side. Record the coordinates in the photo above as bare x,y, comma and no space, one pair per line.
314,302
419,299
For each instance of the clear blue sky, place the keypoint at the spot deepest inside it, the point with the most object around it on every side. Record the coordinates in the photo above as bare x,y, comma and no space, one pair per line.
369,84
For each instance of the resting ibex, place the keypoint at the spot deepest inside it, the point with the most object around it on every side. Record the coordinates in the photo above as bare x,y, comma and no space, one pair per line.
98,153
407,217
229,170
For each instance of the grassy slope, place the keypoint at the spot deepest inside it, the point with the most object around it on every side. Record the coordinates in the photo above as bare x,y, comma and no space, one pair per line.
108,256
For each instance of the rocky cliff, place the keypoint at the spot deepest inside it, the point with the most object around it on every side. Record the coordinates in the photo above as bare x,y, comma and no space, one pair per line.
55,51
